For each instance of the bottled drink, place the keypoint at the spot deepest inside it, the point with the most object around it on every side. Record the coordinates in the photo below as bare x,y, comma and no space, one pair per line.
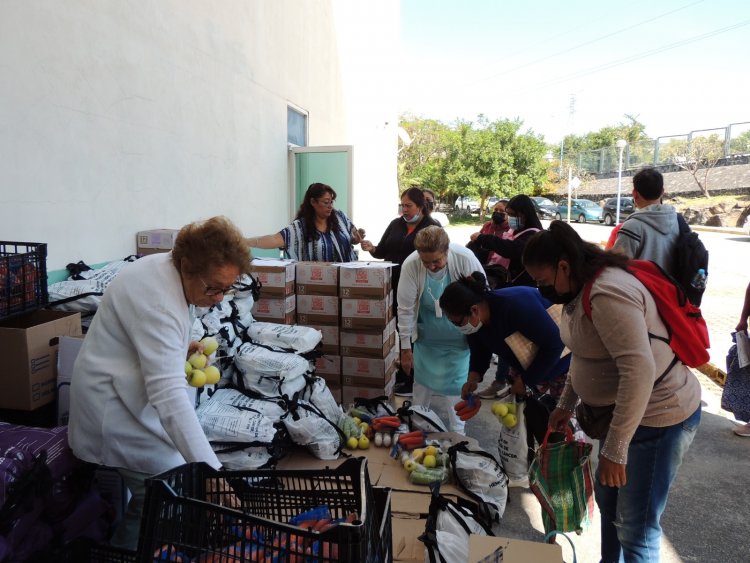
699,280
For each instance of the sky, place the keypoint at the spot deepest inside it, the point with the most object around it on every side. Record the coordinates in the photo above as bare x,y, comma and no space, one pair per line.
578,65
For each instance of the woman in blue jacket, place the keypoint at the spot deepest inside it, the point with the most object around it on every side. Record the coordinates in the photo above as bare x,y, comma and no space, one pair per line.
488,318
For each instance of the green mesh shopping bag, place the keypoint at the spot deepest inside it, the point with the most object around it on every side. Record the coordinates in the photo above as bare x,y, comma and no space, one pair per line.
562,480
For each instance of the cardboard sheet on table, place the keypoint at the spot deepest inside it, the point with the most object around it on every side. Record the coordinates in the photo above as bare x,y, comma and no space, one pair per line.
299,458
415,504
406,547
513,551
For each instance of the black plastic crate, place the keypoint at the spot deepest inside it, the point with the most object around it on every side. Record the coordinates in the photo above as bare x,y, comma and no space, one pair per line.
184,518
23,277
86,551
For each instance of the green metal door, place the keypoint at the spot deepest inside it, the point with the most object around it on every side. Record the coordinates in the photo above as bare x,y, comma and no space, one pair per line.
327,165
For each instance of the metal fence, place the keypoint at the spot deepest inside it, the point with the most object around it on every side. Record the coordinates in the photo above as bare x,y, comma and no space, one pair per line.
724,142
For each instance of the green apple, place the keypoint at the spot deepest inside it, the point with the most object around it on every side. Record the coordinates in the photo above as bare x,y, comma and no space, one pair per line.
500,409
429,461
352,443
188,369
210,345
197,378
213,375
198,360
510,420
364,442
511,408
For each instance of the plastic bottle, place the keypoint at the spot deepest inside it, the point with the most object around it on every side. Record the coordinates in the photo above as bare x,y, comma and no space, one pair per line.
699,280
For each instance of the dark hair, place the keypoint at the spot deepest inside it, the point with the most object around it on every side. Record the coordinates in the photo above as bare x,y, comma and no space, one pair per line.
205,245
649,183
417,196
523,205
562,242
461,295
306,211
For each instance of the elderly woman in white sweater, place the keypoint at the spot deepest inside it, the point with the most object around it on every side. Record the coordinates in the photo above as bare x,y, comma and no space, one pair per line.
129,403
441,355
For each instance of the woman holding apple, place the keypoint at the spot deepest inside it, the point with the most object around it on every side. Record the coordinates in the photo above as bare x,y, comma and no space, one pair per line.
319,232
488,318
129,403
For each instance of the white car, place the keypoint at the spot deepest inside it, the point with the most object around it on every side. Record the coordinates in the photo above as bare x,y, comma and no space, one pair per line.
470,205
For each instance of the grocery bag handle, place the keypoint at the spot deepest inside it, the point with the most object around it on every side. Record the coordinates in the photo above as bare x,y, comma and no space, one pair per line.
554,533
568,435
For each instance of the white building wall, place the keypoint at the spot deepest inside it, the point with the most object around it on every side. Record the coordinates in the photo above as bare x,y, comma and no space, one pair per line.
121,116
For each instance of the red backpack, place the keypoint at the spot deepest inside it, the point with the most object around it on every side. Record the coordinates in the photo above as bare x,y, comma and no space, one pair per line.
688,333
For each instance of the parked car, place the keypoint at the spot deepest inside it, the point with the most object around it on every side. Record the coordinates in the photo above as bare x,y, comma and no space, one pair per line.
470,205
581,210
545,208
609,211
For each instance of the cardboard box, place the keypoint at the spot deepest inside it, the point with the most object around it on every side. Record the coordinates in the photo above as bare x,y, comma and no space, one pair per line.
349,392
368,343
406,547
365,279
332,381
330,342
512,551
276,310
370,372
317,278
29,343
318,309
276,276
335,391
366,314
155,241
328,365
66,356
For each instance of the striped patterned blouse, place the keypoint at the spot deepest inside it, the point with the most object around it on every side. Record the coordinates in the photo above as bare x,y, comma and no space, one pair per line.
331,246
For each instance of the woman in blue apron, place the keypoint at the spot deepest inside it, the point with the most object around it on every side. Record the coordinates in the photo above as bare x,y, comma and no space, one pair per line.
441,356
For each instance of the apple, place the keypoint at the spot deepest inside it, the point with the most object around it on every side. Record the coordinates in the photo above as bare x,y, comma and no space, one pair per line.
511,408
410,465
188,368
430,450
364,426
510,420
198,360
210,345
197,378
500,409
352,443
364,442
429,461
213,375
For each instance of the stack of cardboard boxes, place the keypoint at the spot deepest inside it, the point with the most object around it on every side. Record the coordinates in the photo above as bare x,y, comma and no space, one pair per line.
368,330
277,303
351,304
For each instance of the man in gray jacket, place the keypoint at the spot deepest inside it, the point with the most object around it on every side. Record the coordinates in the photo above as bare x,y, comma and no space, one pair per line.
652,231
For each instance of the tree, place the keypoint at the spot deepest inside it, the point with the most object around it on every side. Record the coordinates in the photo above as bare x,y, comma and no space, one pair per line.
477,159
698,156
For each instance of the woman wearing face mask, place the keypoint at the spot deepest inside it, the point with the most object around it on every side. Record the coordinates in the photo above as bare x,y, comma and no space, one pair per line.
489,317
429,200
395,245
617,368
441,357
523,223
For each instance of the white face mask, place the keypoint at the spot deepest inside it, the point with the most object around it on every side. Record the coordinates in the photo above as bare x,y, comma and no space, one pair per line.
414,219
469,328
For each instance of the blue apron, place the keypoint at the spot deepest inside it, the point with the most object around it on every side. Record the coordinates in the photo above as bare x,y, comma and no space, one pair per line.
441,355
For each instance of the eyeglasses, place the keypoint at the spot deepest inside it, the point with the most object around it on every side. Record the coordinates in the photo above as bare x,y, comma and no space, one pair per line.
214,291
325,202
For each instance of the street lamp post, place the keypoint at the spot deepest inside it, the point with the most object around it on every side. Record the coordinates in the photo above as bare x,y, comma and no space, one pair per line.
621,144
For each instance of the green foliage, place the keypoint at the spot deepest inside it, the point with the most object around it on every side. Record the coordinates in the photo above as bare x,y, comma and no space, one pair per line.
478,159
740,144
698,157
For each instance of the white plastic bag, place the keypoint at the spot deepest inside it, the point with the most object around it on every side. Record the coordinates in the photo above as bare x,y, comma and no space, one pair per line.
252,457
308,428
421,418
229,423
297,338
271,409
483,478
513,448
448,529
270,373
317,393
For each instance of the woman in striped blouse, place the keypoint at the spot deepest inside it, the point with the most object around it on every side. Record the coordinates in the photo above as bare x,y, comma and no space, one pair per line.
318,233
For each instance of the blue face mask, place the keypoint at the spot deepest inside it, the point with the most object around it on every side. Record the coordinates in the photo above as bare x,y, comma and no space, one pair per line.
515,223
414,219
